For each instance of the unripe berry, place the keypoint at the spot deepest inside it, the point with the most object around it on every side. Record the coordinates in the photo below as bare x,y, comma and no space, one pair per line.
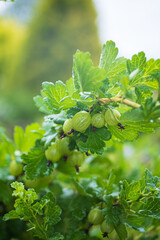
76,158
106,227
112,117
31,183
67,126
53,153
98,120
81,121
64,147
95,216
15,168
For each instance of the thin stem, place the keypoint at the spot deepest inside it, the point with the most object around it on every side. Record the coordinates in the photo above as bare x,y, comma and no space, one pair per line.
38,224
120,100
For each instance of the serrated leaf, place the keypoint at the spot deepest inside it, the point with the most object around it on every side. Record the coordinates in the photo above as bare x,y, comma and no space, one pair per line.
150,180
121,231
110,183
70,87
114,215
151,208
141,71
132,190
138,62
108,61
95,141
26,139
81,189
41,105
79,207
85,76
131,129
52,211
138,222
11,215
56,236
36,164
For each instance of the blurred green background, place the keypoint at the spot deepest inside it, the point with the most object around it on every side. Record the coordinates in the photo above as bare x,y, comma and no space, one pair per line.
37,43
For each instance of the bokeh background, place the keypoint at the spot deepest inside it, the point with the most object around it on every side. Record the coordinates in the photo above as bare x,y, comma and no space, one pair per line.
39,37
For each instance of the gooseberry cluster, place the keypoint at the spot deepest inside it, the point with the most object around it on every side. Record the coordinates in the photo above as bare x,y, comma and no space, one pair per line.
82,120
60,150
95,217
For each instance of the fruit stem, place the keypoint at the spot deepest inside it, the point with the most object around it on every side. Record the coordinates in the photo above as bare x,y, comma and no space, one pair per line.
120,100
71,131
63,136
77,168
65,158
87,154
49,163
89,226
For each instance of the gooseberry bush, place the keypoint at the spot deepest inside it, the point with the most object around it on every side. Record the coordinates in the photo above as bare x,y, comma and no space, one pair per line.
66,184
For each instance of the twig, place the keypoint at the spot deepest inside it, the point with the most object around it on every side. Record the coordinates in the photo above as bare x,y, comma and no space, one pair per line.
120,100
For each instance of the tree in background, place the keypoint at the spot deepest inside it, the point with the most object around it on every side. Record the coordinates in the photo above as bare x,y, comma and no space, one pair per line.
12,35
57,29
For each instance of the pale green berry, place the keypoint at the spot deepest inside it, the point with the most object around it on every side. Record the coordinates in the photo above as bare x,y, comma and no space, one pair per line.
67,126
112,117
15,168
53,153
81,121
95,216
106,227
98,120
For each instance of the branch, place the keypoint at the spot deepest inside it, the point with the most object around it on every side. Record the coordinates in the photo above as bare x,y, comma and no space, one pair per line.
120,100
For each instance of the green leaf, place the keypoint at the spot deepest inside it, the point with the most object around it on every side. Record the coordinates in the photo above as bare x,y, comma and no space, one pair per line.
52,211
85,76
5,193
56,236
54,97
110,183
132,190
79,207
41,105
36,164
150,180
52,94
115,214
121,231
138,63
141,71
95,141
25,140
131,129
81,189
70,87
151,208
138,222
108,61
11,215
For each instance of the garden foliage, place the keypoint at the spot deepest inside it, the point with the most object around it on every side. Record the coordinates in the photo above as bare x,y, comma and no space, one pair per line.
67,174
